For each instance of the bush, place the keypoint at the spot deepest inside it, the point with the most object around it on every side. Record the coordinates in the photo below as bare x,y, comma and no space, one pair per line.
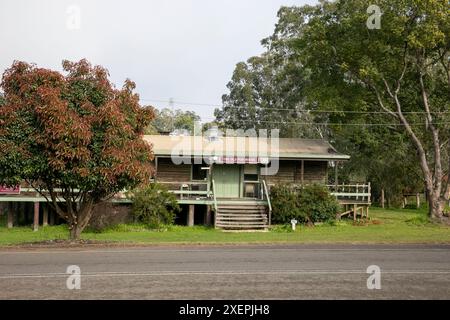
154,205
308,204
285,204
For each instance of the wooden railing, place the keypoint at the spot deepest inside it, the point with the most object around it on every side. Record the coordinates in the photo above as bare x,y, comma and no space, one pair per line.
28,194
360,193
215,201
351,192
266,193
189,189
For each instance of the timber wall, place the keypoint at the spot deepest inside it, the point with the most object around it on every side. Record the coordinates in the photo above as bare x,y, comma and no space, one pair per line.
169,172
290,171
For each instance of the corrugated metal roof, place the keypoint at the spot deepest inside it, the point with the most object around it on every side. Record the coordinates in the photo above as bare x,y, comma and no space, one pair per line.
244,146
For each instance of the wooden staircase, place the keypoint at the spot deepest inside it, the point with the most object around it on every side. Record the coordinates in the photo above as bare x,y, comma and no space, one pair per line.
242,216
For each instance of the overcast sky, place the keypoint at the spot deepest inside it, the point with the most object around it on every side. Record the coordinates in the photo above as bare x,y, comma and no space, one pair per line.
180,49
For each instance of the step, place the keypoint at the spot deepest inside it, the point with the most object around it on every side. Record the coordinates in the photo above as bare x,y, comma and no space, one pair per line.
242,207
243,215
248,226
262,226
241,212
240,223
240,219
248,216
233,205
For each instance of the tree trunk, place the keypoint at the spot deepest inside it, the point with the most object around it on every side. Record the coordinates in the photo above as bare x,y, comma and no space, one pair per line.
82,218
75,233
436,207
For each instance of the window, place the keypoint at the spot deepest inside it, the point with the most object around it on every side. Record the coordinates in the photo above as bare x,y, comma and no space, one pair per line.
198,173
250,172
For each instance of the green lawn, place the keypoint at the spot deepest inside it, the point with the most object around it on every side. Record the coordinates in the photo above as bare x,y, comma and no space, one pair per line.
385,226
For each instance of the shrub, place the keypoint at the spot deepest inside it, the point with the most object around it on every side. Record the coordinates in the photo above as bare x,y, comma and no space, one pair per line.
154,205
308,204
285,204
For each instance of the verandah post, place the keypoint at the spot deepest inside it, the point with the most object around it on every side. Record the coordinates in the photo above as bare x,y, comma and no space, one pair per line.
208,216
302,173
336,175
190,221
10,222
36,216
52,218
44,215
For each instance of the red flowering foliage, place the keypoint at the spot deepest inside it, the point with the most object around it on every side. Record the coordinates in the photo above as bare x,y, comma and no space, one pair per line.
72,131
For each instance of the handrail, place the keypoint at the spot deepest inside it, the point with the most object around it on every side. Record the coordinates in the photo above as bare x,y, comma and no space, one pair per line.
347,185
268,201
26,189
184,182
357,191
215,201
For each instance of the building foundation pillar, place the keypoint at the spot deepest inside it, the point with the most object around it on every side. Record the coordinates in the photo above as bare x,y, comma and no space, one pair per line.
208,216
190,219
36,217
45,215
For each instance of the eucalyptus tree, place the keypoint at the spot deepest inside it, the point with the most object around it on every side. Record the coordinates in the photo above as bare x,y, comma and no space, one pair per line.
401,69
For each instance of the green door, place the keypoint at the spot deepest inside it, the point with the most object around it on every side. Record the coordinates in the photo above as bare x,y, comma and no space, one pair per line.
227,179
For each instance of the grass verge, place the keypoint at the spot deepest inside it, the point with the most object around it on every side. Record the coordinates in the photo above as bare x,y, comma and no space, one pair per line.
385,226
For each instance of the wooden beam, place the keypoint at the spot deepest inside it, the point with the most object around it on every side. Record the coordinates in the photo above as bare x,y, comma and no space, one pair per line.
15,210
208,216
36,217
355,208
52,218
10,222
156,168
382,198
45,215
190,219
336,174
302,172
418,200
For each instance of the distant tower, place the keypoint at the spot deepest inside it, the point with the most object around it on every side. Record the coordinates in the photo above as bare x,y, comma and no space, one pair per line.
171,106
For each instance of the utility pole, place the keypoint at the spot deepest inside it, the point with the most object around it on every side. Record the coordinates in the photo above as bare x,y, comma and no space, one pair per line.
171,106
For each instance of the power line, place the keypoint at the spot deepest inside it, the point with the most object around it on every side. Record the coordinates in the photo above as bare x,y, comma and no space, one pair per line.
288,109
331,123
183,102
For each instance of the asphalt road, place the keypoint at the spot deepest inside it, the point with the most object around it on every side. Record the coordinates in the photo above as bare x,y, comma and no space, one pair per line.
228,272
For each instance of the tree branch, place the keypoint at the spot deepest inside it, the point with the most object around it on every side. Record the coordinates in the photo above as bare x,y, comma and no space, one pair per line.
435,134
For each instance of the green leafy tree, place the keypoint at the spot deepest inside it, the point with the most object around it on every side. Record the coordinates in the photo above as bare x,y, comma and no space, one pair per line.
168,120
388,86
264,94
381,153
72,132
401,70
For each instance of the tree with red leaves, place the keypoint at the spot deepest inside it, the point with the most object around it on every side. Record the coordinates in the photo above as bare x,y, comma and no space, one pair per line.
73,137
